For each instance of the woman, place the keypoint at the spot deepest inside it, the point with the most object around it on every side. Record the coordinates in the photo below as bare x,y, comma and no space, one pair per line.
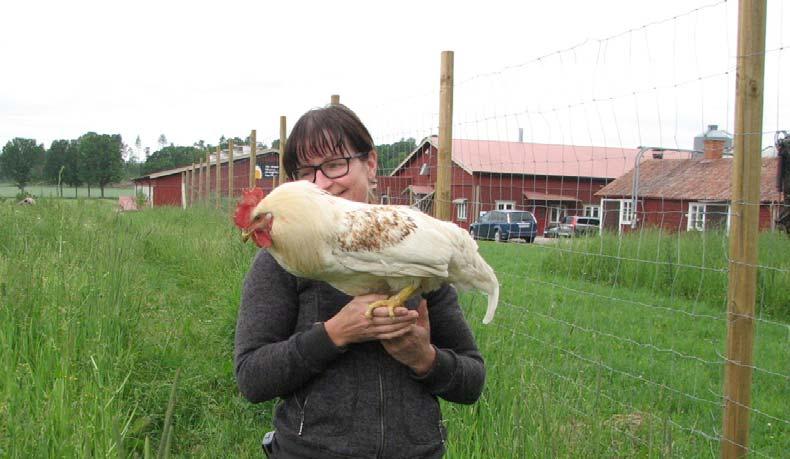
350,386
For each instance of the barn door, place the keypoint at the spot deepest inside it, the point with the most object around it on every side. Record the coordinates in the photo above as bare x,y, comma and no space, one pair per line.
610,215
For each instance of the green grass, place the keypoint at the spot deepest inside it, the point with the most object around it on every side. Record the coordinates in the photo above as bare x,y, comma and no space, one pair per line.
8,190
100,310
690,266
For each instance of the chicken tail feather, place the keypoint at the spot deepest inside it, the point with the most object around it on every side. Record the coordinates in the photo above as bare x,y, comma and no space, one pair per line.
493,300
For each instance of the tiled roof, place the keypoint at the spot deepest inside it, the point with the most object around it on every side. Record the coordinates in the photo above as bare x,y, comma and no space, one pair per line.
691,179
489,156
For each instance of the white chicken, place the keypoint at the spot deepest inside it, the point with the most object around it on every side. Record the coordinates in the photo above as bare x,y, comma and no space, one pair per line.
363,248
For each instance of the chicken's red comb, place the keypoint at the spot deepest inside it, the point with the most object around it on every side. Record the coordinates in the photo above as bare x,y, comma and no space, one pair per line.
249,199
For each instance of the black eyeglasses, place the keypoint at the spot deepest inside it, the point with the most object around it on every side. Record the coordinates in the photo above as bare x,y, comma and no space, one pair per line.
332,169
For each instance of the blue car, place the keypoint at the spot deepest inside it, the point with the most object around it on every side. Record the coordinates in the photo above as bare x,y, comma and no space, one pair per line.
503,225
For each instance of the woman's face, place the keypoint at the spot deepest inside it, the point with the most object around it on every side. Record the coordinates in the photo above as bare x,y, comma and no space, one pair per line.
354,185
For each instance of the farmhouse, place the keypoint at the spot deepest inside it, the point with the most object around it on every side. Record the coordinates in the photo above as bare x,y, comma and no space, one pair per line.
685,194
169,187
549,180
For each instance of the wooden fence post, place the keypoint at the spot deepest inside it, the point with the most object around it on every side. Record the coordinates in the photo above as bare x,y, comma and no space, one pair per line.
218,188
199,177
283,177
186,188
442,200
194,181
230,169
207,177
253,157
744,229
334,99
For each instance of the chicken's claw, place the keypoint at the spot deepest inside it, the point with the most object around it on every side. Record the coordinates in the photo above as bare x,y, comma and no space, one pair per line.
390,303
399,299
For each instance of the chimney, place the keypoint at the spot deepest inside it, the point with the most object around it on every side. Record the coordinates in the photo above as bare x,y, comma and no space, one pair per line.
713,148
520,135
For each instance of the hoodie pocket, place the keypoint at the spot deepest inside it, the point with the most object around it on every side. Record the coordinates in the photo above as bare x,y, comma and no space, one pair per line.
422,418
332,398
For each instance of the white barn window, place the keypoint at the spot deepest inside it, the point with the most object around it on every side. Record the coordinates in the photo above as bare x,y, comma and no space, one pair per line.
696,217
505,205
460,209
626,212
592,211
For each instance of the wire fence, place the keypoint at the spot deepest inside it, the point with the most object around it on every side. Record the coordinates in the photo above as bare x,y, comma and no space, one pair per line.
611,162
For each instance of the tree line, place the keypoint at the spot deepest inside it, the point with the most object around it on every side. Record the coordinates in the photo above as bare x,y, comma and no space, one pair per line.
98,160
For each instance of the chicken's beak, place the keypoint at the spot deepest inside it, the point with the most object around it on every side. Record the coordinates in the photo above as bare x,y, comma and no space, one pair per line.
264,222
245,235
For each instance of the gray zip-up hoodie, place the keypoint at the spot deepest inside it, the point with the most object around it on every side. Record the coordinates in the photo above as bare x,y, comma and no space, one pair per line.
356,401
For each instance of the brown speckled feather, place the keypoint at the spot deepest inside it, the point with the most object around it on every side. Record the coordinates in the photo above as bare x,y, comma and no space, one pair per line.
373,229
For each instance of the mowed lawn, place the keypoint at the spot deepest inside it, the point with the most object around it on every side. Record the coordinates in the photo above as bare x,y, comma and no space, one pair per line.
8,190
99,310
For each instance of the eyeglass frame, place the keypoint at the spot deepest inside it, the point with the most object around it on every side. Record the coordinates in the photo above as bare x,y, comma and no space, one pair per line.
320,167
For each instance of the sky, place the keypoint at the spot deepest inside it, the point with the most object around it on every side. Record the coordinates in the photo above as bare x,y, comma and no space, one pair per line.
605,72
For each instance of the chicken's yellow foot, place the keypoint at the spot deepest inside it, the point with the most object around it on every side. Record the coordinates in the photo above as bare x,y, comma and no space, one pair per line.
399,299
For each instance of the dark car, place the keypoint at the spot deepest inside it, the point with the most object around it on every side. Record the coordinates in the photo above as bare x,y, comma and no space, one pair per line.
503,225
574,225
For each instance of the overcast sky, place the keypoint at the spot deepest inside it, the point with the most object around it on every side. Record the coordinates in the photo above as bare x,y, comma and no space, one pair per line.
198,70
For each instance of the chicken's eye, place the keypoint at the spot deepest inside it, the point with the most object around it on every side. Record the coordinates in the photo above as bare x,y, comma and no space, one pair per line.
256,218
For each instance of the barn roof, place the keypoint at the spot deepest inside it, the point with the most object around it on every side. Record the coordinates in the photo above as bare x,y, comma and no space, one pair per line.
223,158
490,156
691,179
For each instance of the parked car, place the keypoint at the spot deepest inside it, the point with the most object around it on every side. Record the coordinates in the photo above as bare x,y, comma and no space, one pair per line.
574,225
503,225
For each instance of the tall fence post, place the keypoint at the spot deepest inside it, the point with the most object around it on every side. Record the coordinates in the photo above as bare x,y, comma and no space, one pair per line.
199,177
442,206
283,177
218,188
185,189
230,169
334,99
207,177
744,228
253,157
190,191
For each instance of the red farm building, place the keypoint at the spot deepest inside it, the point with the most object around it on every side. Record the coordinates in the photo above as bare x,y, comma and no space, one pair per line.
551,181
171,187
685,194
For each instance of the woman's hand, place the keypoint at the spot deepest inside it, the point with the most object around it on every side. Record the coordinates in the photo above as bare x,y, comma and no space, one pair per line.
412,346
350,325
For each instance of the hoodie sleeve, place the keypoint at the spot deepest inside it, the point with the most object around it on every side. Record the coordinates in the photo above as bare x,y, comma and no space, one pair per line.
458,373
271,360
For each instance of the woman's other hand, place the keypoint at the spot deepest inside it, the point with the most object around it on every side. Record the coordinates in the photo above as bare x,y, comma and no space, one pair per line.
350,325
412,346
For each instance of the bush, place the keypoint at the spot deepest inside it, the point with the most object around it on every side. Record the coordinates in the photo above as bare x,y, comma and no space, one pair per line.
141,199
22,195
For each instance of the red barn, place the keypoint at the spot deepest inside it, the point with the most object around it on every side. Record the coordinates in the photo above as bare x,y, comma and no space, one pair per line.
684,195
169,187
551,181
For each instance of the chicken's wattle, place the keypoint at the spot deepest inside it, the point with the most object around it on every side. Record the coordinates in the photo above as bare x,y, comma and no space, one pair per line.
243,215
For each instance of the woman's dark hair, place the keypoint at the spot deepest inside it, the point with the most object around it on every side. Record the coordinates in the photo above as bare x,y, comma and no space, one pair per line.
323,132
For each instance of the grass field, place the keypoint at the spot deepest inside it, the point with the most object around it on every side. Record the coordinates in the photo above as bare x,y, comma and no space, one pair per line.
99,310
8,190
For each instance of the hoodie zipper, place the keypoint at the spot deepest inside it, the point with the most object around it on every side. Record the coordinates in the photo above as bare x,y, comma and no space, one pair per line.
381,413
301,416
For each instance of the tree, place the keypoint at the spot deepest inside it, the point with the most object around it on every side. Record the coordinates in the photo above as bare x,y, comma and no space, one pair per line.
56,159
20,157
138,145
172,157
390,155
103,160
73,162
162,141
